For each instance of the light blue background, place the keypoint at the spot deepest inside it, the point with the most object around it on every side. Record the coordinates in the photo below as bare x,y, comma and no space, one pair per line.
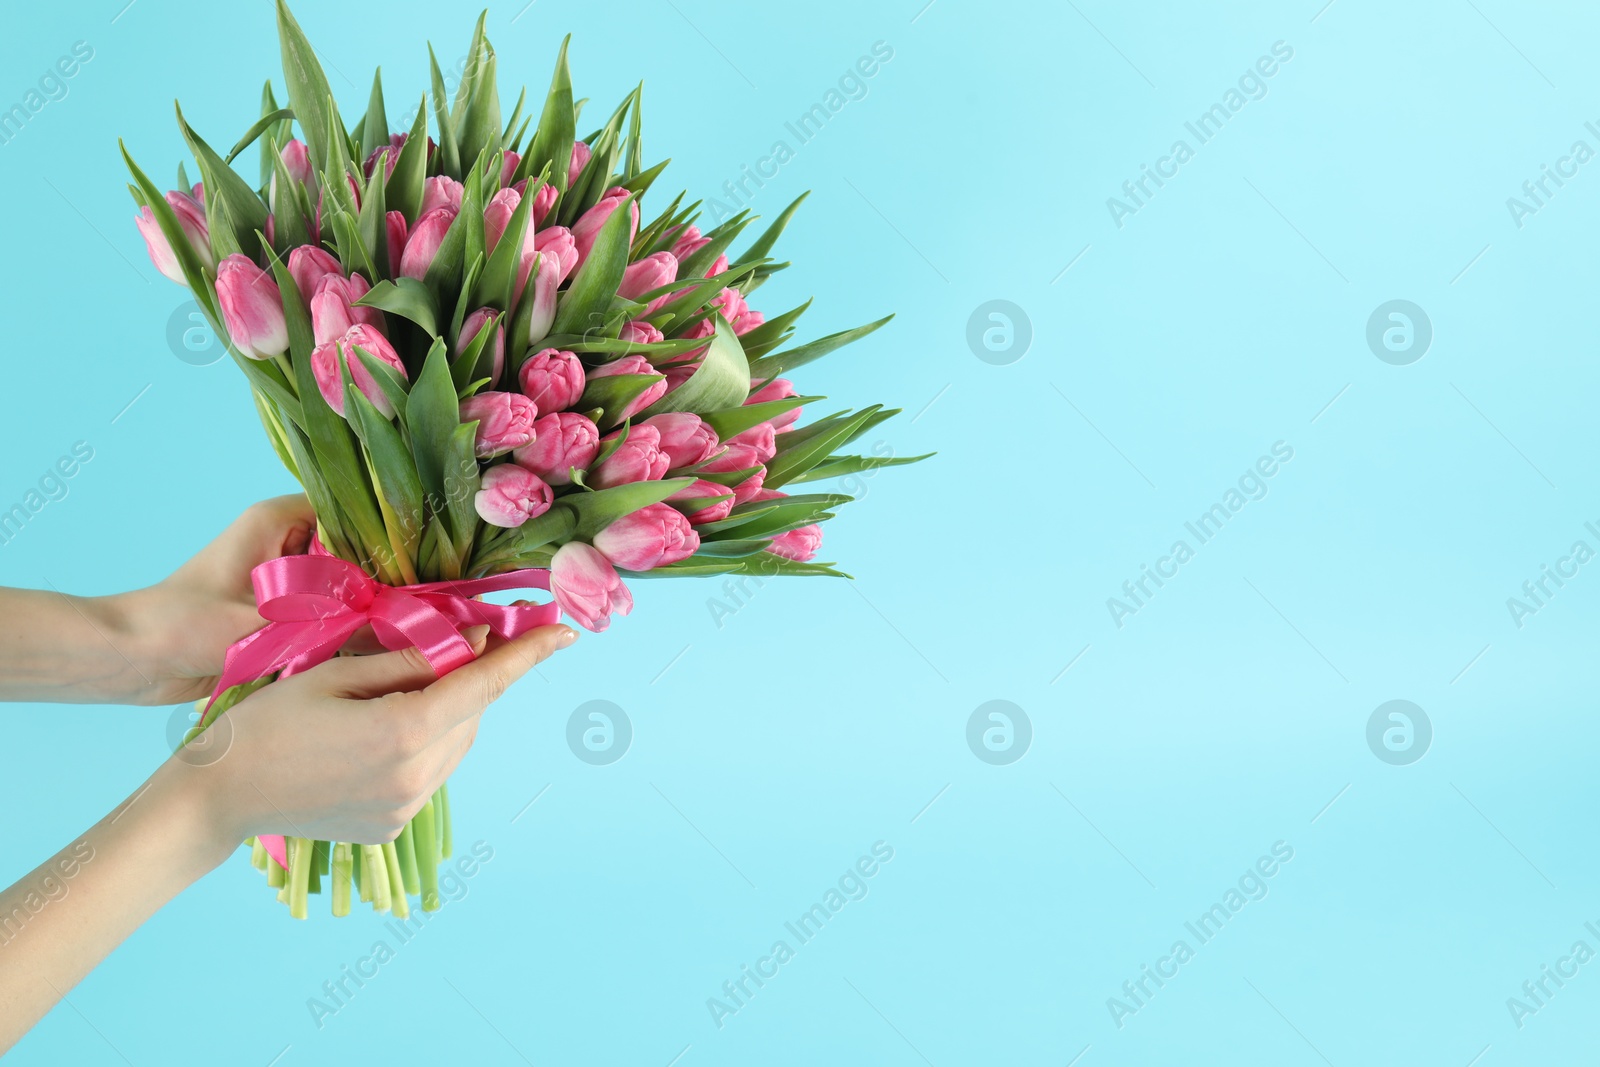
773,751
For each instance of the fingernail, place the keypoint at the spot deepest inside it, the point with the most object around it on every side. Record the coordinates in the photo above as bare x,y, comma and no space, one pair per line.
568,635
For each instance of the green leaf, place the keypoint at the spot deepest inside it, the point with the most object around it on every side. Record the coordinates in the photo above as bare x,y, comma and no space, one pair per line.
633,152
612,394
406,184
432,416
721,237
508,140
193,270
721,381
731,548
764,564
513,547
290,227
309,95
552,139
838,466
444,273
391,381
254,132
804,448
393,469
496,286
269,104
597,510
461,484
584,305
772,333
409,299
375,128
777,516
479,127
471,72
449,151
231,204
731,422
769,367
762,247
373,226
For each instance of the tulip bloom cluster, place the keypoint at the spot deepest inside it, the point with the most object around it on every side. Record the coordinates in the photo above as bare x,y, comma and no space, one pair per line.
478,354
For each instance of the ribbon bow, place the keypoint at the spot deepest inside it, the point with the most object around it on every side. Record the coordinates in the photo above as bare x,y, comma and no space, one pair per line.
314,603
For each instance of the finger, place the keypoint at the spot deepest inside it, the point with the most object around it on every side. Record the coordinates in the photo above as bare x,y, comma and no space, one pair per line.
369,677
284,525
466,691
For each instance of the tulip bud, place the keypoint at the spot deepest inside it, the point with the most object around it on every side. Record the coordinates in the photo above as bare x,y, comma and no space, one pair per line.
639,332
680,372
586,587
297,161
685,438
581,153
747,490
325,367
333,307
633,365
543,201
424,241
505,421
718,267
651,272
542,310
308,265
557,242
737,456
731,303
440,191
654,536
474,325
252,308
777,389
497,216
800,545
760,438
562,440
748,321
638,459
509,496
397,141
192,220
587,228
395,221
509,168
553,380
702,490
688,243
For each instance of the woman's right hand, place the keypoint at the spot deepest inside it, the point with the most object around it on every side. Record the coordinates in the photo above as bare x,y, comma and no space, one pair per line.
351,749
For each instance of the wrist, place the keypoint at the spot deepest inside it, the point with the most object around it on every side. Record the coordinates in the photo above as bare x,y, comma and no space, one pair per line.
133,624
195,813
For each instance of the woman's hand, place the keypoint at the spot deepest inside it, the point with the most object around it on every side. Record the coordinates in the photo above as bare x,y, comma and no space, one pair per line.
347,751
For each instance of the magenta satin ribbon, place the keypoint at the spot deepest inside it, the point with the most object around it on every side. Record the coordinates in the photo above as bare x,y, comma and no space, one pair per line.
314,603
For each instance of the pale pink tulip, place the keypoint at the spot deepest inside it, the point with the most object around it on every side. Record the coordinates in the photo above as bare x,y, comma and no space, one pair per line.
424,240
777,389
581,153
509,167
497,216
553,380
654,536
505,422
334,309
542,313
192,220
760,438
472,327
640,332
634,365
587,587
562,440
587,228
638,459
701,491
800,545
308,265
326,360
688,243
685,438
557,242
651,272
395,221
509,496
440,191
543,201
252,308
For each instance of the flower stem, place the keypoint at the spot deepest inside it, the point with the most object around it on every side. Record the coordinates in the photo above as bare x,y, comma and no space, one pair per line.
405,844
397,893
441,803
258,855
427,849
342,876
301,858
376,880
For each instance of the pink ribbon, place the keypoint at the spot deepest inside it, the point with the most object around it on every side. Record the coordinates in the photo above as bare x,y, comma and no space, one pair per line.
314,603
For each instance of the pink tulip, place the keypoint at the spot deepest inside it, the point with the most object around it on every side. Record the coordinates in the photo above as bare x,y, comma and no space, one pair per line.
688,243
557,242
704,328
325,364
685,438
739,456
440,191
395,221
252,308
553,380
297,161
581,152
562,440
634,365
308,265
680,372
587,587
397,141
587,228
654,536
731,303
505,421
748,489
718,267
192,220
424,241
639,332
651,272
334,310
703,490
543,201
509,167
510,496
800,545
472,327
761,438
638,459
199,193
750,320
497,216
542,312
777,389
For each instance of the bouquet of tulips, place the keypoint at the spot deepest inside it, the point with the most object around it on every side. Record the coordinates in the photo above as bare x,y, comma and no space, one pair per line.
476,356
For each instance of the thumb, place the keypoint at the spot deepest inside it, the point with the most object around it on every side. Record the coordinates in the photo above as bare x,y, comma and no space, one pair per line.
467,690
366,677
